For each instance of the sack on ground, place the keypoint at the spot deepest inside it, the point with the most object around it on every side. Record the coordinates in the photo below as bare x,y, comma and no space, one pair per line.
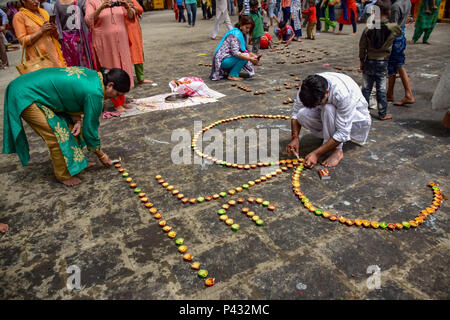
191,86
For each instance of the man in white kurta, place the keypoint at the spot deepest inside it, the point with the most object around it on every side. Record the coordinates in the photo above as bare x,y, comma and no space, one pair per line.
221,17
339,114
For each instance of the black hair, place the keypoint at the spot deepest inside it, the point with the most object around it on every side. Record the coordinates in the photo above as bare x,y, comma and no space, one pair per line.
385,7
119,78
313,90
243,20
253,3
281,24
266,26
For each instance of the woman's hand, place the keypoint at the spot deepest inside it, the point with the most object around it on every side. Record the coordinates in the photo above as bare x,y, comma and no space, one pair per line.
124,3
255,61
104,159
105,4
76,130
47,27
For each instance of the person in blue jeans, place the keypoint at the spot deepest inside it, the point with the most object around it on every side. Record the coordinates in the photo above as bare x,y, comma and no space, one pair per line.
191,8
375,48
277,7
181,11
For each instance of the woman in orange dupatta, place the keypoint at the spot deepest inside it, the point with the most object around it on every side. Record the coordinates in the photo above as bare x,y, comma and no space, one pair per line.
35,32
136,44
110,43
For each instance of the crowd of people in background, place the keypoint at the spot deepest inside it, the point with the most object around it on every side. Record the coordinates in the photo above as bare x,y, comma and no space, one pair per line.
107,33
78,33
75,38
381,50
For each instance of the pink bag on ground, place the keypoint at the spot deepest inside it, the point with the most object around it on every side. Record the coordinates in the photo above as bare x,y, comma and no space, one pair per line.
191,86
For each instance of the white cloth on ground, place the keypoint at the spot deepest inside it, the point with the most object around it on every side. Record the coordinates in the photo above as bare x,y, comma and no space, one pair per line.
344,117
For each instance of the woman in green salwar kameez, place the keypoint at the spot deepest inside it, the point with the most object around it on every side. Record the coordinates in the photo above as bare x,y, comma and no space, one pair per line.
51,101
425,22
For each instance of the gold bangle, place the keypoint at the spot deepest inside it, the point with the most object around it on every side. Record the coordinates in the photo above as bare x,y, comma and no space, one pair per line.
104,155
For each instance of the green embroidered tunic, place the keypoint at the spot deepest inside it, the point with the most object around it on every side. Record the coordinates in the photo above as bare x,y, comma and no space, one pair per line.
58,92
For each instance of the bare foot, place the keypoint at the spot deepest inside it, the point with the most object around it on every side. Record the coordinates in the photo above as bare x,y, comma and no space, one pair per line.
353,34
145,81
234,78
389,98
427,42
3,227
120,109
335,157
404,101
386,117
71,182
412,42
127,106
337,32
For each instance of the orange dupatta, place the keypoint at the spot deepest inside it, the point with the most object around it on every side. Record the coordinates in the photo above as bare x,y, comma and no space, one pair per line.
41,22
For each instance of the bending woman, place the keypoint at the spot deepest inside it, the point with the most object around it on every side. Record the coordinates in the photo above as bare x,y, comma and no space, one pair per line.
51,101
232,55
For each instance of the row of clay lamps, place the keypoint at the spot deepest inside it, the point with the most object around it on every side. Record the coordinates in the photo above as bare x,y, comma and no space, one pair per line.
231,192
223,216
172,234
422,216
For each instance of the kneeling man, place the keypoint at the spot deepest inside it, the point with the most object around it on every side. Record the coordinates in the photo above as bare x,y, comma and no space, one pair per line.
333,108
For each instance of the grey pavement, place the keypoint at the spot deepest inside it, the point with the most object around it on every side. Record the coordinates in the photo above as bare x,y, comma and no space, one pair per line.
102,228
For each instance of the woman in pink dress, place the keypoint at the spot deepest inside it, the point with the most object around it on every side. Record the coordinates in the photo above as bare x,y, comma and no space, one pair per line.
110,44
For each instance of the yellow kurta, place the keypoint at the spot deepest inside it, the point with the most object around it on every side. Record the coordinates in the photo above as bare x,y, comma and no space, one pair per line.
25,26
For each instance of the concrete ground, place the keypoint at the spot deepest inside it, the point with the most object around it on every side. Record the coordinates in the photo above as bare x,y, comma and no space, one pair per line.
102,228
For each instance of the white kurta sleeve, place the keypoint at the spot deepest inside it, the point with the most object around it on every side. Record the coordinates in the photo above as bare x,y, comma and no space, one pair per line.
297,106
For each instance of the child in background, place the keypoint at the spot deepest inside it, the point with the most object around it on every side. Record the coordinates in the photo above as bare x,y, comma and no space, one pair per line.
180,6
328,15
258,30
375,48
245,8
264,7
430,3
284,32
266,39
175,9
312,20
